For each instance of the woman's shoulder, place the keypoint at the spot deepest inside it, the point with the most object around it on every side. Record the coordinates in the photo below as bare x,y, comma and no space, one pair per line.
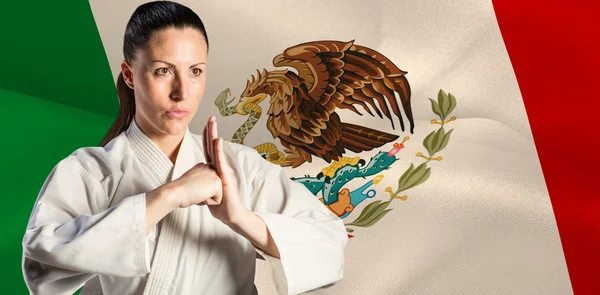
100,162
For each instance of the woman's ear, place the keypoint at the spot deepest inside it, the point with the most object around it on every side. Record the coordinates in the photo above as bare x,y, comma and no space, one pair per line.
127,74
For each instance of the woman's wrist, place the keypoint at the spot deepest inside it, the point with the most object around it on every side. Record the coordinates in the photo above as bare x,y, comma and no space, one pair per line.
240,219
169,195
251,226
158,205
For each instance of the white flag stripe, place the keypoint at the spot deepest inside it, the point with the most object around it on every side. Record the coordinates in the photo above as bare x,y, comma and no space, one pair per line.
483,222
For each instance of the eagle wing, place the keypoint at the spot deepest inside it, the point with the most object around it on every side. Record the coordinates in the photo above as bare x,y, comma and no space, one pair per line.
342,75
300,122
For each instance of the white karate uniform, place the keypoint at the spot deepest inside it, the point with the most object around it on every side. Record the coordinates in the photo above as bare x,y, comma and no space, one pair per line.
88,224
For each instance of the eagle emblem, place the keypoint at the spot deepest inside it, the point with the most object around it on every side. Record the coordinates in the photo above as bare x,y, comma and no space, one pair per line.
303,101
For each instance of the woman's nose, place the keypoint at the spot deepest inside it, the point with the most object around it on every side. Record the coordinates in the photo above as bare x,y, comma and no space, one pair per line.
180,89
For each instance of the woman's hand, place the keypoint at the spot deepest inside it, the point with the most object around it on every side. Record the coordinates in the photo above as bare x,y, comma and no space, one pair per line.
230,209
198,186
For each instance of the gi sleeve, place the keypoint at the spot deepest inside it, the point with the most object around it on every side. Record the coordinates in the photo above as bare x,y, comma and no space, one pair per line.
71,236
310,238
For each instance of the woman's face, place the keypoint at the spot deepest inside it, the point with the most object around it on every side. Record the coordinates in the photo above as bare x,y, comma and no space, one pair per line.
168,78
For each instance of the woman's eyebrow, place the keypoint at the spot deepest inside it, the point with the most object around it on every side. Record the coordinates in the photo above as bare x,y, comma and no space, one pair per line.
172,65
200,63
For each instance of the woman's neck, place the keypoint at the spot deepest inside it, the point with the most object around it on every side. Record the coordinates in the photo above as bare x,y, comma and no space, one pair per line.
168,144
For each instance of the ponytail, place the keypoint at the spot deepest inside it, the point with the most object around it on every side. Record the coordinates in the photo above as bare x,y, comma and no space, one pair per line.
126,111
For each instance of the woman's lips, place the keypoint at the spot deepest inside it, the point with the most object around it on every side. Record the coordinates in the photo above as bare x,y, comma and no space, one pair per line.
178,114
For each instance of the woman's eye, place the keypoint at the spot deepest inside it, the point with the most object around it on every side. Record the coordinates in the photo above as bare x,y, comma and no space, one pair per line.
162,71
196,72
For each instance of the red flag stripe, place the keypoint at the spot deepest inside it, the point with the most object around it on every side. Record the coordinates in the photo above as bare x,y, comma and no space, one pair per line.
555,55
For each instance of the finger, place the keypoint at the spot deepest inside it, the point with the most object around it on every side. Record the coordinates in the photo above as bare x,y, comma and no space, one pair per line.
214,128
215,137
209,140
205,144
213,131
216,162
213,201
222,168
216,199
212,166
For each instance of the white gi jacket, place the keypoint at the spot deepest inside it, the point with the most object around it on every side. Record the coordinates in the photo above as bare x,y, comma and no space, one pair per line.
87,227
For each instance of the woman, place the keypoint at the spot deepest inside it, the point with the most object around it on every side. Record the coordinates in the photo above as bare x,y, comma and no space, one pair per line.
159,210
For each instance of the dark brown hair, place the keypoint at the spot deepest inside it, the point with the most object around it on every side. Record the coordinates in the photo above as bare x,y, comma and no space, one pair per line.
146,20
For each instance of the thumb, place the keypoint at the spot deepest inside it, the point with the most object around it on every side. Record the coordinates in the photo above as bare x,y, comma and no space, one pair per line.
217,198
223,168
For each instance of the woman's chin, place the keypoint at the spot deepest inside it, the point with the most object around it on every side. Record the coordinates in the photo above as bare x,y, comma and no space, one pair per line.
176,127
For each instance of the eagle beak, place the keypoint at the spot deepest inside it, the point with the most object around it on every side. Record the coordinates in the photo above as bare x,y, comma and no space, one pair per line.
240,107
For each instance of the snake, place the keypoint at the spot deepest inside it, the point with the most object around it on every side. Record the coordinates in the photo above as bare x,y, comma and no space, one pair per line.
248,106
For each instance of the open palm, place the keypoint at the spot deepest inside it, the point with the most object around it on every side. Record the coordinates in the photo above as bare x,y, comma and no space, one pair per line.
230,206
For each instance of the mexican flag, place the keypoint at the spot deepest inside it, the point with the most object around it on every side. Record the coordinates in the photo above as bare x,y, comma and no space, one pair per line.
469,130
